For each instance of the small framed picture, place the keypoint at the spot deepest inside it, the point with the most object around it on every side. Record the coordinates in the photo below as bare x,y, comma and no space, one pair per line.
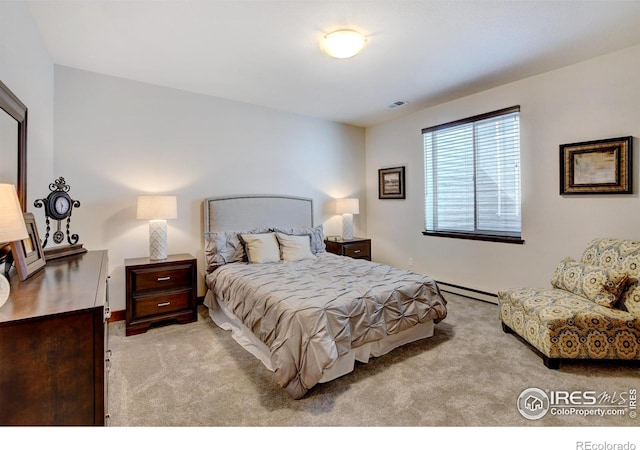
391,183
27,253
597,167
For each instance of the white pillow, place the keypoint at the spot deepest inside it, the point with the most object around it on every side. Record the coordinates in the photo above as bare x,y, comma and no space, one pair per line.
261,248
294,248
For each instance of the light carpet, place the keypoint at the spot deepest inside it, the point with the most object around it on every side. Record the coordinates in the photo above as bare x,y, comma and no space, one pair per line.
470,373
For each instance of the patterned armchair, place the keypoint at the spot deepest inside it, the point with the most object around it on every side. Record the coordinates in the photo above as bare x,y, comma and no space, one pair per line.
591,310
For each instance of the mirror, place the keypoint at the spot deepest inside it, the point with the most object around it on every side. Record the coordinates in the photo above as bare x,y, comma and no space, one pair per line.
13,142
8,155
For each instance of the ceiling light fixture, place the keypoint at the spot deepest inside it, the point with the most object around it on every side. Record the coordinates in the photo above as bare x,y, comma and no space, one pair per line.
343,43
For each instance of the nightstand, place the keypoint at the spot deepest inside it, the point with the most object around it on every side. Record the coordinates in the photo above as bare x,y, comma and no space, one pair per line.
359,248
159,291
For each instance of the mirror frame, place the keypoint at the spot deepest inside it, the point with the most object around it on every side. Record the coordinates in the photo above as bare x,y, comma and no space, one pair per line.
16,109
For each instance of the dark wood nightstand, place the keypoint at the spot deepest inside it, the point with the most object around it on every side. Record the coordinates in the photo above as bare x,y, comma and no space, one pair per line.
160,290
359,248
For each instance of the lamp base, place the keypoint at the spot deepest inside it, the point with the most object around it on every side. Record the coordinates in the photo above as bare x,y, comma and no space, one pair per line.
157,239
347,226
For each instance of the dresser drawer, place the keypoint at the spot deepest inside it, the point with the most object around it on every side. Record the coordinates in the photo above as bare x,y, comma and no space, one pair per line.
357,250
174,277
161,304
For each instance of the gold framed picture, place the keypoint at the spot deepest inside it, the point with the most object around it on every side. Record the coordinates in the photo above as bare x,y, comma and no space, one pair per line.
27,253
597,167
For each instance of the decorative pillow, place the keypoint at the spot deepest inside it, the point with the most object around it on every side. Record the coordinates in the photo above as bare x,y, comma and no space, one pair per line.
224,247
316,235
601,286
630,300
294,248
622,255
261,248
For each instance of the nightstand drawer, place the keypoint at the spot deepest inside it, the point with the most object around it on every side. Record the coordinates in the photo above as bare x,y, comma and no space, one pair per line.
162,304
174,277
358,250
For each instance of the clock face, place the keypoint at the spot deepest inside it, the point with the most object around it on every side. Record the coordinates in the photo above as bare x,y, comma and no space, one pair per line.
59,205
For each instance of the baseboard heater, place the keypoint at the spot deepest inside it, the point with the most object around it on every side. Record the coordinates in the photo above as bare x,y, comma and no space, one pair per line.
468,292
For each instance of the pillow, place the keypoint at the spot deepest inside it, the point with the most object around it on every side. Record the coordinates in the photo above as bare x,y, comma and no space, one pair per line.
630,300
601,286
316,235
224,247
261,248
294,248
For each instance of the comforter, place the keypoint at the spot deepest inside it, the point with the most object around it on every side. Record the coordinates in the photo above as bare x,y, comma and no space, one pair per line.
311,312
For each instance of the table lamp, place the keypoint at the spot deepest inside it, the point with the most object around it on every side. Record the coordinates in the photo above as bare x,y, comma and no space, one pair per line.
347,207
157,209
12,228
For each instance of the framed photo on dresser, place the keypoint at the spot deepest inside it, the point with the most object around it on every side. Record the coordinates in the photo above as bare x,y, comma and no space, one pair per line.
27,253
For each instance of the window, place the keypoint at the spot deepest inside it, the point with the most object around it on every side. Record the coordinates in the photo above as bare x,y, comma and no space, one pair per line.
472,177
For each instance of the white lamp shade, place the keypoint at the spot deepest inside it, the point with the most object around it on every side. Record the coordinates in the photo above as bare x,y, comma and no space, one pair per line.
152,207
12,227
343,43
347,206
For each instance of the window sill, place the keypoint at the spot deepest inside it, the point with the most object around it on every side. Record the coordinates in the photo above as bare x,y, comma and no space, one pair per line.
476,236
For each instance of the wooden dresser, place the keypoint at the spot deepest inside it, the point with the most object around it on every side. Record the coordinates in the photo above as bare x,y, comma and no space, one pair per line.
54,344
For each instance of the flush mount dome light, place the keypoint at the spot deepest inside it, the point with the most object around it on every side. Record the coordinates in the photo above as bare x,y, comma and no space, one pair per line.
343,43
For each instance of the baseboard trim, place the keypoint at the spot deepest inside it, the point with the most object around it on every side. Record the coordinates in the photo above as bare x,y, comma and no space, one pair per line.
464,291
117,316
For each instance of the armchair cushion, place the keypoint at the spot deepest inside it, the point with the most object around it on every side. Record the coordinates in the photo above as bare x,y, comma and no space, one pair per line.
565,325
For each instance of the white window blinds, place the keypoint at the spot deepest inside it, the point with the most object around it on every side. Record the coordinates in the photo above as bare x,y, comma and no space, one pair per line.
472,176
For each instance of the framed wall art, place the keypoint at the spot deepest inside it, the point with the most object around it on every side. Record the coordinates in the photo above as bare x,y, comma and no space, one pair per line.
27,253
391,183
597,167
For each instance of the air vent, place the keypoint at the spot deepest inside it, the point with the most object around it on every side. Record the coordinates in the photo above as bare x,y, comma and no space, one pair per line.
396,104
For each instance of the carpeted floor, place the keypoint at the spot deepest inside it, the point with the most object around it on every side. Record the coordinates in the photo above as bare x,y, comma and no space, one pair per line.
469,374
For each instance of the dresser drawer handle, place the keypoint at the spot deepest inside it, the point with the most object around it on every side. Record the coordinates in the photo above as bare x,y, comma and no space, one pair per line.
164,304
164,278
357,251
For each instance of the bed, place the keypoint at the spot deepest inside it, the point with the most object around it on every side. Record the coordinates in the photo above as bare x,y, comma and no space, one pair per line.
306,314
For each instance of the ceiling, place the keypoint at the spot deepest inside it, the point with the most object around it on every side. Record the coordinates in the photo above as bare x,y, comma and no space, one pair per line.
266,52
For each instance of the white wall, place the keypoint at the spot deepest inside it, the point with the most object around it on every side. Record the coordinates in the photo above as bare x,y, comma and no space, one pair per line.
26,69
593,100
116,139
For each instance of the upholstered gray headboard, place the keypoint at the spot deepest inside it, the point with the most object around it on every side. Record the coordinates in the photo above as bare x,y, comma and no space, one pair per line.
246,212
